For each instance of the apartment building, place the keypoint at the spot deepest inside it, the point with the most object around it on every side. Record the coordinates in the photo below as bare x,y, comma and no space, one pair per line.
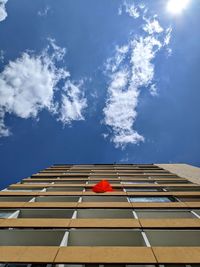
151,218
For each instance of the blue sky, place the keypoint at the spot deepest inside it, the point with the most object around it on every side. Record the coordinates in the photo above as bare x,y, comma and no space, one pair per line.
97,82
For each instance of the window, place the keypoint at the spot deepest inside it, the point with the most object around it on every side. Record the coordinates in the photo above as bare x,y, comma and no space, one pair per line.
105,213
15,199
137,182
189,199
70,182
102,176
97,181
105,237
26,265
104,199
56,199
180,238
197,212
151,199
173,182
46,213
64,189
164,213
114,188
6,213
143,189
35,182
183,189
24,189
31,237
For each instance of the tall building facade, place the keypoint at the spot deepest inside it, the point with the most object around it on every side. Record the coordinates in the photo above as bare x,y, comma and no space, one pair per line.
151,218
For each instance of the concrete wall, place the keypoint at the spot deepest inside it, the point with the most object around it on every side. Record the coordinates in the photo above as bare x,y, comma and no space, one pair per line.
184,170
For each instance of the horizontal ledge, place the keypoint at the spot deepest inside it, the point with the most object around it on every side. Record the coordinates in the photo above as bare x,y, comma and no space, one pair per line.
192,204
169,255
34,194
35,222
24,254
170,223
96,223
104,205
158,205
50,205
105,255
115,205
105,223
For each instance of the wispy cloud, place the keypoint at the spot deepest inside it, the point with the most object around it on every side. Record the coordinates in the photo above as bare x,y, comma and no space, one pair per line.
152,26
3,13
130,9
43,12
153,90
73,103
129,71
2,53
28,85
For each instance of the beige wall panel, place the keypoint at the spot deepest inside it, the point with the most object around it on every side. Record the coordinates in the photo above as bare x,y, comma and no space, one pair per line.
104,205
11,254
12,204
192,193
105,255
159,205
28,254
170,223
50,205
192,204
177,255
184,170
114,193
45,185
149,193
40,222
59,193
104,223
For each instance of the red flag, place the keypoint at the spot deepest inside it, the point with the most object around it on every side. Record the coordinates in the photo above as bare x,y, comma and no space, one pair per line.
102,187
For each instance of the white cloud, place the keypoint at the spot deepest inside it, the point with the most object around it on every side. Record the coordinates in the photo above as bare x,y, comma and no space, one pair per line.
44,12
120,111
73,103
2,53
113,63
129,71
153,90
168,36
143,51
130,9
152,26
28,85
125,159
3,13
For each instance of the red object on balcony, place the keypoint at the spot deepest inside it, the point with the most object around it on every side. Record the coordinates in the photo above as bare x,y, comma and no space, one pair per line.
102,187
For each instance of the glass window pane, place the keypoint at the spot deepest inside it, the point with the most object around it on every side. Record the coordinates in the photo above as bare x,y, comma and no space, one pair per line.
142,189
150,199
173,238
197,211
5,214
164,214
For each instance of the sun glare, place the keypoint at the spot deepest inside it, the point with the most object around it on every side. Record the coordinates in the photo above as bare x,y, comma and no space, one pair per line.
177,6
